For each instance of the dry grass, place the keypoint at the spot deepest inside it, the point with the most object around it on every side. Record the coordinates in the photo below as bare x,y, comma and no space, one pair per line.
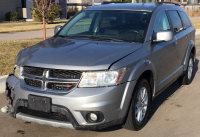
196,23
194,13
9,51
27,26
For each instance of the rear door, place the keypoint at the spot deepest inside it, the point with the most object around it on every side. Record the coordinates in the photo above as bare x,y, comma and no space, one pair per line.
187,32
180,35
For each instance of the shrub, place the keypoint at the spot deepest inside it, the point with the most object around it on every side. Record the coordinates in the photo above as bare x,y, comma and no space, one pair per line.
55,12
12,16
71,13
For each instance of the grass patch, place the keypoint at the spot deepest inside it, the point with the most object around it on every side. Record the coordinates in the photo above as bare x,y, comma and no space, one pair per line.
193,13
28,26
196,23
9,51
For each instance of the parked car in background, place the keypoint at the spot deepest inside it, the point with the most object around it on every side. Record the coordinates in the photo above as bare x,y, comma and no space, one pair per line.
103,67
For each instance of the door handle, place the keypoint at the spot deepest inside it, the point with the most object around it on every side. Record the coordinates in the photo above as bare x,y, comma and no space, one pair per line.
187,36
174,44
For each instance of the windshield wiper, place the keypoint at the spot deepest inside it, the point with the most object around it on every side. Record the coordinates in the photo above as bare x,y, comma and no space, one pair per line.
63,36
106,38
93,38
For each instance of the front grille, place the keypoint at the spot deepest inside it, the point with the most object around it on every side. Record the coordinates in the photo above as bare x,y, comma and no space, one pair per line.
32,82
51,116
33,71
65,74
60,86
51,80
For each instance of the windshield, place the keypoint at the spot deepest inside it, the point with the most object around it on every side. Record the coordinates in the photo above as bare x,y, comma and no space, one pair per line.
121,25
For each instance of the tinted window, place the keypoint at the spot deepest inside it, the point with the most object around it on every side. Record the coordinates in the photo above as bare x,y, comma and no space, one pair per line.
185,19
128,26
161,23
176,21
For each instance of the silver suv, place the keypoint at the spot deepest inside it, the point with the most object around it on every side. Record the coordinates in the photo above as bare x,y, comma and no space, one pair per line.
103,67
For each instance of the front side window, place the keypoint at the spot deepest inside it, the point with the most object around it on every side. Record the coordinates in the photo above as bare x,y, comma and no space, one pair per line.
127,26
176,21
161,23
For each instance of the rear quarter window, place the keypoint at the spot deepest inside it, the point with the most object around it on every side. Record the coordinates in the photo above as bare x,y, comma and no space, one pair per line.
185,19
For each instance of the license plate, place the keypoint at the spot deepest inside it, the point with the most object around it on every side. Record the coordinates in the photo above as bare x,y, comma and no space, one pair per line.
39,103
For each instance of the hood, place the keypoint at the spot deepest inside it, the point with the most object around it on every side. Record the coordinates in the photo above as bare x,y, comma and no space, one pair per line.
71,54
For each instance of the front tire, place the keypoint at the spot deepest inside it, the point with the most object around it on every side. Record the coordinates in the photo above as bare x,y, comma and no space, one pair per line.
186,79
139,107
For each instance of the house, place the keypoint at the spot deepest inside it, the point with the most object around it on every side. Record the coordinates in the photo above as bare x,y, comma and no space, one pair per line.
22,7
7,6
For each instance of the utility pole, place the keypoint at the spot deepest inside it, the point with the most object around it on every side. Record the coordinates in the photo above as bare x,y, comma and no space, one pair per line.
92,2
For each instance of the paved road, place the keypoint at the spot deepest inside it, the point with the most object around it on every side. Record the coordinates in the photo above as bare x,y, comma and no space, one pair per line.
25,35
174,113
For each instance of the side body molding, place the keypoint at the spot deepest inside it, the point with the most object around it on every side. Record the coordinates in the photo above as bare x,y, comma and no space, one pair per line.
187,54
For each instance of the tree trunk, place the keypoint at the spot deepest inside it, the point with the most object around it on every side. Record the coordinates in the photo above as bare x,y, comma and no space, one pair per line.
44,28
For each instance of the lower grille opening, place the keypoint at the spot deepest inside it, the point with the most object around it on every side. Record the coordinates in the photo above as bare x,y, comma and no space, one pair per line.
60,86
51,116
34,83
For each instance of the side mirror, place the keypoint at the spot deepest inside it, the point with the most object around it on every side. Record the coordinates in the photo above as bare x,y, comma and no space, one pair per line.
164,35
57,28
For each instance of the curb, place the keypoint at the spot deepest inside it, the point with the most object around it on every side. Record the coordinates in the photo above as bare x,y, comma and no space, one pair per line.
197,32
2,83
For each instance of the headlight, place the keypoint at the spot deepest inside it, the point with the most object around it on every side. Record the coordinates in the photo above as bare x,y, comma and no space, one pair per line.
102,78
16,71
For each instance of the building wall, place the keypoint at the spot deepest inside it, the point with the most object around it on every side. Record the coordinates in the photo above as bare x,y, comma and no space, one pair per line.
8,6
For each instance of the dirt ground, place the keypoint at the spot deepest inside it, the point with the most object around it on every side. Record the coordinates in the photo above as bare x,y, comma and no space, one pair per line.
174,113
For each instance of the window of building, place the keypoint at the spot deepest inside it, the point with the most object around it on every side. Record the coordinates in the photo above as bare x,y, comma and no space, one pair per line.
23,3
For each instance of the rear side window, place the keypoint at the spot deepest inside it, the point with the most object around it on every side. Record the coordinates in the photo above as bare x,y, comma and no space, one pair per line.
185,19
176,21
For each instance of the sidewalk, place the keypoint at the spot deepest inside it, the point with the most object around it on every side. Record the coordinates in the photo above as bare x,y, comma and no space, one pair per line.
194,18
25,35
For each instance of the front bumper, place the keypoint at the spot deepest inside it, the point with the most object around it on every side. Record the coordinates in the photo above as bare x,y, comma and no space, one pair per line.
112,101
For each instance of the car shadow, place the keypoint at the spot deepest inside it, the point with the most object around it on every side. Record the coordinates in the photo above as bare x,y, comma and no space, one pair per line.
158,101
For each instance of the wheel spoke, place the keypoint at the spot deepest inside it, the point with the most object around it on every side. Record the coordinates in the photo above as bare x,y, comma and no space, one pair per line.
137,111
140,118
145,98
143,110
138,115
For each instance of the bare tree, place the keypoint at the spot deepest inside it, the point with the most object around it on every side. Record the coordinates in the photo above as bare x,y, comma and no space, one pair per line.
44,7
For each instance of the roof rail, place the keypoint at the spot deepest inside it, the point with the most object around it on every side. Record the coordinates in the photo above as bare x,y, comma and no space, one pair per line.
111,2
161,3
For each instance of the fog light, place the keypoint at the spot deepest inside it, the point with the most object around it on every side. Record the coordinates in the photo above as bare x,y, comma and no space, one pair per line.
93,117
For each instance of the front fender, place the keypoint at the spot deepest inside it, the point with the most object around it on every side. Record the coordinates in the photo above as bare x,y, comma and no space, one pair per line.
140,68
135,74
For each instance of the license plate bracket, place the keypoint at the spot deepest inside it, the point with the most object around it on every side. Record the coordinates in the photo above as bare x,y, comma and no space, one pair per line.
39,103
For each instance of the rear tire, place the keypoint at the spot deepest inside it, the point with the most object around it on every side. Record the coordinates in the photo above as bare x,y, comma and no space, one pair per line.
186,79
139,107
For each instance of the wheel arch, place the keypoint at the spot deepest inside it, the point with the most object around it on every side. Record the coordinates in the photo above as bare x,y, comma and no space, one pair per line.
145,69
190,49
